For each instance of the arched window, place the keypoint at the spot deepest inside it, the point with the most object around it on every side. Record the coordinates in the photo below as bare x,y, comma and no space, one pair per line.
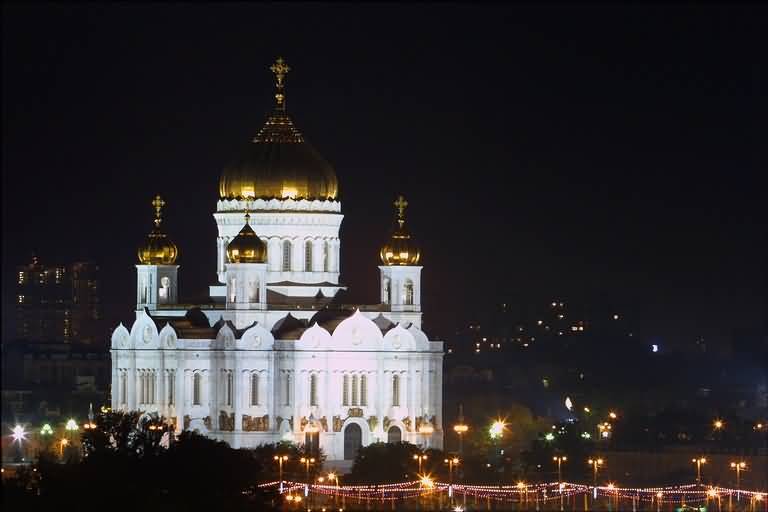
286,255
345,391
326,256
308,256
313,390
408,292
395,391
230,383
196,389
363,390
354,390
233,290
254,388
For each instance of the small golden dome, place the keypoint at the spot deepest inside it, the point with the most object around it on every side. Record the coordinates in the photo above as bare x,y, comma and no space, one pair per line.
279,163
158,248
247,247
401,249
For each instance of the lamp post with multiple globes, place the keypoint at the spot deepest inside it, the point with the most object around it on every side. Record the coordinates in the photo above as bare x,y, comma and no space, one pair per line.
698,461
280,459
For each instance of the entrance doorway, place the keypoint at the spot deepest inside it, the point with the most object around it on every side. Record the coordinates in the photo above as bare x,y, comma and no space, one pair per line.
353,440
394,435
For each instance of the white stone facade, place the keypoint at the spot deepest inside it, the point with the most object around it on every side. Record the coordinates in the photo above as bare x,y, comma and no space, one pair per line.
371,376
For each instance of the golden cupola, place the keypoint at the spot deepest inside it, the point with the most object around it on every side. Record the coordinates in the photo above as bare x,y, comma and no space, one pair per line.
247,247
278,162
401,248
158,248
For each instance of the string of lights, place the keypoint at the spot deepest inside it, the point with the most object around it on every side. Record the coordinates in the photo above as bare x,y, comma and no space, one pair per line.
522,492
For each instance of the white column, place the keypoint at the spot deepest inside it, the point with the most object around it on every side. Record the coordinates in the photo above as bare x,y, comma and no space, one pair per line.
181,397
238,395
131,398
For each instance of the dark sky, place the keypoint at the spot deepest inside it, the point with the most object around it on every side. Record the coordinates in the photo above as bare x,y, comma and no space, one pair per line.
607,156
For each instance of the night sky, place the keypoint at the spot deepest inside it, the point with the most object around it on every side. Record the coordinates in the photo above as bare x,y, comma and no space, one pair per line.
604,156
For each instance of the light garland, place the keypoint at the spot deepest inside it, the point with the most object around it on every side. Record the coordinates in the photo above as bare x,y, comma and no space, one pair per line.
521,492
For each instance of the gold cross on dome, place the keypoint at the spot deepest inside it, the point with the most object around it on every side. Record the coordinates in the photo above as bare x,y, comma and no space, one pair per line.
158,203
401,204
280,69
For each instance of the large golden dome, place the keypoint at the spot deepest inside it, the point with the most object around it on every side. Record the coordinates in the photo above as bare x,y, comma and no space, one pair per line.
247,247
401,248
158,248
278,162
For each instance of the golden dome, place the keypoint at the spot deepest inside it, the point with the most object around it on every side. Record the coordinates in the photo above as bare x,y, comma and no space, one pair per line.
158,248
401,249
247,247
279,163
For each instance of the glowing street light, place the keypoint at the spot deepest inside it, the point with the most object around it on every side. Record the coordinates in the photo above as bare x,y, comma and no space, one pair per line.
738,467
596,464
46,430
718,424
612,415
280,459
699,461
497,429
19,434
559,459
64,442
451,462
461,428
419,457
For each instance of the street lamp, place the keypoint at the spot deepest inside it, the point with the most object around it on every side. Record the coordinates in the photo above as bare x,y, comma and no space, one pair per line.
596,464
280,459
420,458
64,442
497,429
559,459
718,424
19,434
451,462
460,428
699,461
307,461
738,467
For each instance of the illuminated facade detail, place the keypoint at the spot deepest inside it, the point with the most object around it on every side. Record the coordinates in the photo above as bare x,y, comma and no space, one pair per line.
270,357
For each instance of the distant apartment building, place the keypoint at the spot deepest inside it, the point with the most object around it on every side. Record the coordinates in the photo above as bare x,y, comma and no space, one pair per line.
59,303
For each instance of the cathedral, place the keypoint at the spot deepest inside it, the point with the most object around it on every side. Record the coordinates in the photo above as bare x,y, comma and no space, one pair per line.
275,355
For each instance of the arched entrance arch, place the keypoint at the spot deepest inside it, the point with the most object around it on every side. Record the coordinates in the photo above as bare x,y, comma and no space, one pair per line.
394,435
353,440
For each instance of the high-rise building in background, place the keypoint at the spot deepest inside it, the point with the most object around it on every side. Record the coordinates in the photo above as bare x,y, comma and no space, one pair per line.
59,303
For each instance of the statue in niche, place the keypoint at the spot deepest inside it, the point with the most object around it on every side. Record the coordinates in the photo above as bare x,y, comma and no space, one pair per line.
256,423
419,422
207,422
355,412
372,422
226,421
304,422
187,421
337,423
172,422
386,423
324,423
407,423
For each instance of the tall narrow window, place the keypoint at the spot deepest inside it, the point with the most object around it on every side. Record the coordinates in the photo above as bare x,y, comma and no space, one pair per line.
387,291
143,387
229,387
408,291
345,391
196,389
327,256
363,390
287,389
395,391
286,256
171,387
151,397
123,387
354,390
308,256
313,390
254,388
